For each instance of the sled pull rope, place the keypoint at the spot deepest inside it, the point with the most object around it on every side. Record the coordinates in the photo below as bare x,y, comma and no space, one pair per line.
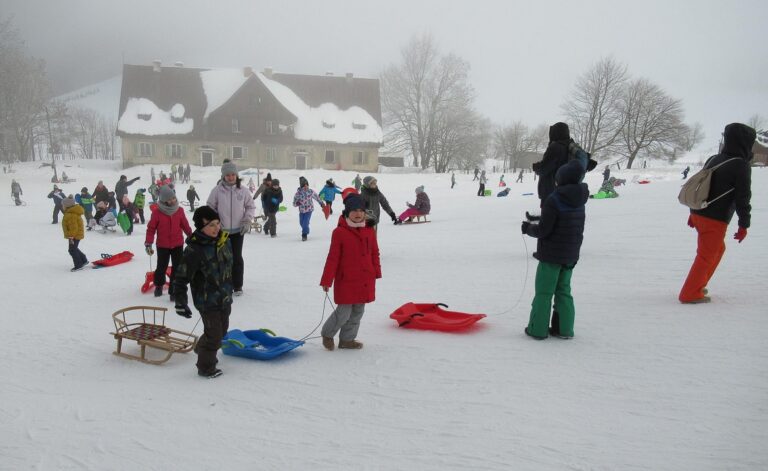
326,301
525,282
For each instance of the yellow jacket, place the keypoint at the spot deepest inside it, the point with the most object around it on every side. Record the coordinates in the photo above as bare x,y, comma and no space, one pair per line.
72,223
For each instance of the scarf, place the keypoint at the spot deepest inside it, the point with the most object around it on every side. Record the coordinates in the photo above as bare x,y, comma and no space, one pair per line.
355,224
167,208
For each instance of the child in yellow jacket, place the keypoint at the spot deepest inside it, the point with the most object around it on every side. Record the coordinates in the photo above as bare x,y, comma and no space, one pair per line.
74,231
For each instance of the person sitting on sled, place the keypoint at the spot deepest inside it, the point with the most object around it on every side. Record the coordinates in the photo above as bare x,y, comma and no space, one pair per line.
206,267
352,267
560,232
103,217
420,208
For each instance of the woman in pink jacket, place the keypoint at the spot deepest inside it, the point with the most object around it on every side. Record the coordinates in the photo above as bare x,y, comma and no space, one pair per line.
234,203
171,224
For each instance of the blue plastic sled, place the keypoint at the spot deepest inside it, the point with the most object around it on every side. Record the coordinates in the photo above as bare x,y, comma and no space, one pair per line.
257,344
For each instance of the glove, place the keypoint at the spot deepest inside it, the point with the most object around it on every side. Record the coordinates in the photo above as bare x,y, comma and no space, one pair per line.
740,234
524,227
690,221
244,228
183,311
392,215
148,249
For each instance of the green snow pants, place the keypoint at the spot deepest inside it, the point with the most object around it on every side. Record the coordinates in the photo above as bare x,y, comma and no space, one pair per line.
552,280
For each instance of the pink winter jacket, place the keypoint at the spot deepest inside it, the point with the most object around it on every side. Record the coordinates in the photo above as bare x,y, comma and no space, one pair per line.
234,205
170,229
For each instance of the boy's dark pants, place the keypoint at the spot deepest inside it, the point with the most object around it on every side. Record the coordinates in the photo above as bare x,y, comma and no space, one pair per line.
163,256
141,214
78,257
56,210
552,280
215,326
271,225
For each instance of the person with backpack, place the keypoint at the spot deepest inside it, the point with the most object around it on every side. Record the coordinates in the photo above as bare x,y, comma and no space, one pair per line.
729,192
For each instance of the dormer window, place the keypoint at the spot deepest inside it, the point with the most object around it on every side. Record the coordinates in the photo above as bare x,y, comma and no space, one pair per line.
177,113
359,126
144,116
328,125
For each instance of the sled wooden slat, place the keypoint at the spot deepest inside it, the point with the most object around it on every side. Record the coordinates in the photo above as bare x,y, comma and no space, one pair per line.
145,325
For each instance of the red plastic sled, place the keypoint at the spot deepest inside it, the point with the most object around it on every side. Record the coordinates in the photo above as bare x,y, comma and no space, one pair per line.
433,317
108,260
149,280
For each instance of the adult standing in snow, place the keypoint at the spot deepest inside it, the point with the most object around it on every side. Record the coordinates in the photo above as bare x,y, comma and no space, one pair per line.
192,196
100,193
304,200
554,157
57,196
560,233
170,223
730,192
453,180
235,206
74,231
375,200
16,192
483,181
121,189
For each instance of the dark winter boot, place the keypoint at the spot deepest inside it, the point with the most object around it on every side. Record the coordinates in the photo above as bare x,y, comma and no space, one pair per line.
210,374
328,343
350,344
158,291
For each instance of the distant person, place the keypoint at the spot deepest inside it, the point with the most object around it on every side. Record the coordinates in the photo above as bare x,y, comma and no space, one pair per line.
375,200
139,201
85,200
685,172
121,188
304,200
16,192
519,177
270,200
453,180
57,196
421,206
74,231
730,192
328,194
477,170
483,181
357,182
606,174
502,183
192,196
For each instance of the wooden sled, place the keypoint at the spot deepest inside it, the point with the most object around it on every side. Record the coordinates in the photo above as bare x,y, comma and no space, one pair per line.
145,325
256,225
420,219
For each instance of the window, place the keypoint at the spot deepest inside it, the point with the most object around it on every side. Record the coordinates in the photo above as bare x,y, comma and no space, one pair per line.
146,149
235,126
239,152
270,127
358,126
361,158
271,154
328,125
145,116
330,156
174,151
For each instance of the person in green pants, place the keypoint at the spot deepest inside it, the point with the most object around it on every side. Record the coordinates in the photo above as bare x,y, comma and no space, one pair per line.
560,232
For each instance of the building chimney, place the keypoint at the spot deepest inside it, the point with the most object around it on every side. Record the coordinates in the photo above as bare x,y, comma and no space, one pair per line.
156,65
247,71
349,77
178,64
268,72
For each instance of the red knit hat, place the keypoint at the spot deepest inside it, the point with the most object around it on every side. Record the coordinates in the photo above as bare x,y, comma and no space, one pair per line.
346,192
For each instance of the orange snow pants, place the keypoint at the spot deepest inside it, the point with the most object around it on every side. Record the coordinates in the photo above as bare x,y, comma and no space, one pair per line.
710,249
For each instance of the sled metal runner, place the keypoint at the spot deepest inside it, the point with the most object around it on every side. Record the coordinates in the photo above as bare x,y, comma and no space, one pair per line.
432,316
145,325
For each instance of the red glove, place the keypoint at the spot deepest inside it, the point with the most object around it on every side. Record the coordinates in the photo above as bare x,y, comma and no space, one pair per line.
690,221
740,234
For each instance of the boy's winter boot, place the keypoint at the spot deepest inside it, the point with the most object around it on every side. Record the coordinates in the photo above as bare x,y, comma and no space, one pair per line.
210,374
328,343
158,291
350,344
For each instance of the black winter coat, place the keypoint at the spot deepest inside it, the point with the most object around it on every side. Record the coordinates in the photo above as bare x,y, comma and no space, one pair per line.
192,196
207,267
736,175
121,188
267,196
560,231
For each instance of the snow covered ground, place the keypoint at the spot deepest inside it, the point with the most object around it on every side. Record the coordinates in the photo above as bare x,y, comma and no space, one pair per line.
647,383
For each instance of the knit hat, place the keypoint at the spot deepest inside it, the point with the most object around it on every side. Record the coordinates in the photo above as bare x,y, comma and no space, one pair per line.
353,202
347,191
420,189
166,193
559,132
330,182
83,189
275,182
68,202
367,181
569,173
303,182
204,212
227,168
268,178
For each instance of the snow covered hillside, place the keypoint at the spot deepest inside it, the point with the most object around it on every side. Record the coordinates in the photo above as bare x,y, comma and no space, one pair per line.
646,384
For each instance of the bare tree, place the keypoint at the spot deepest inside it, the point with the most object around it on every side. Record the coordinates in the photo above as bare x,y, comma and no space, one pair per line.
756,122
593,111
693,137
24,89
421,96
652,121
512,141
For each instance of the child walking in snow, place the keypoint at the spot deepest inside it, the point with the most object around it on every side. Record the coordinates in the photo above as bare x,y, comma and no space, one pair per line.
207,268
303,200
328,194
560,232
74,231
352,267
270,201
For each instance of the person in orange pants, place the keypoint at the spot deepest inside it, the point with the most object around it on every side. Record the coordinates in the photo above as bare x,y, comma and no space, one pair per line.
729,193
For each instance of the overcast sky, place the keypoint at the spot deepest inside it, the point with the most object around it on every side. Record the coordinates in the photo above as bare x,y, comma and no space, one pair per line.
525,56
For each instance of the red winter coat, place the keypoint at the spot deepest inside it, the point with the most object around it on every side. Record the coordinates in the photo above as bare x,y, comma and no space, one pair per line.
352,266
170,229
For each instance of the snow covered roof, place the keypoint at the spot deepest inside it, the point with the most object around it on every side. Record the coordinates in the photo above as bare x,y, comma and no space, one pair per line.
762,138
326,109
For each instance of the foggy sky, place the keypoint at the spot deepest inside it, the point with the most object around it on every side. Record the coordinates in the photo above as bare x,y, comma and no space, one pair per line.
525,56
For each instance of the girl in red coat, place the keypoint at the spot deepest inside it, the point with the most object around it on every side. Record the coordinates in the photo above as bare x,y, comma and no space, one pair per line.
353,264
170,224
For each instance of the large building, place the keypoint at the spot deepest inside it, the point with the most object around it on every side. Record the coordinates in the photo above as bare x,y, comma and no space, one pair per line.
258,119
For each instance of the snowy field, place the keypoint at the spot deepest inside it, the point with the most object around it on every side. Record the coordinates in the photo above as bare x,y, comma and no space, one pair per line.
646,384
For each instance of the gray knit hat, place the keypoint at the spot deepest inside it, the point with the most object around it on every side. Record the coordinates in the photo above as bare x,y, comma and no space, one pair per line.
166,193
68,202
228,167
368,180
